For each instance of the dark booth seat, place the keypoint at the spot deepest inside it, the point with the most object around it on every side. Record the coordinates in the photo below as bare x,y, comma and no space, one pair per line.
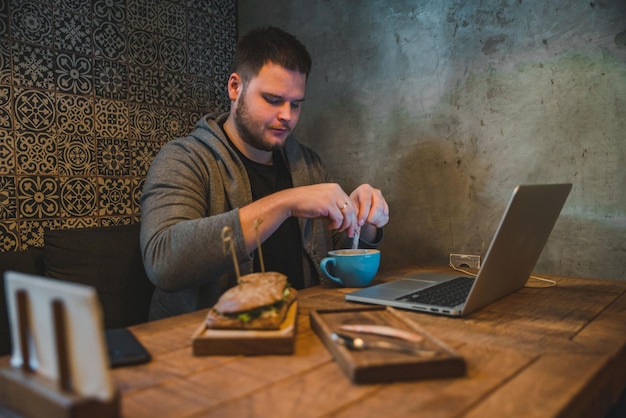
107,258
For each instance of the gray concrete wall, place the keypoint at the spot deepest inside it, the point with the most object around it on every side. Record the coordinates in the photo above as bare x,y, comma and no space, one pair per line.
447,105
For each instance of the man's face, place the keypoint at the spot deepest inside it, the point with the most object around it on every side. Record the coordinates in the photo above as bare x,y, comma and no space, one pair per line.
268,106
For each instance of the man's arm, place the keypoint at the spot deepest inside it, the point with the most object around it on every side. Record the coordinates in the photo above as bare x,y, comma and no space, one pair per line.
185,205
326,200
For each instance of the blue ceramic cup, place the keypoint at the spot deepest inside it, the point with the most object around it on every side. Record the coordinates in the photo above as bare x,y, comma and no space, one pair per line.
351,268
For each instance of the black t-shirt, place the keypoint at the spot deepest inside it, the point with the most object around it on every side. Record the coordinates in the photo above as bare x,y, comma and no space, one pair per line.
282,251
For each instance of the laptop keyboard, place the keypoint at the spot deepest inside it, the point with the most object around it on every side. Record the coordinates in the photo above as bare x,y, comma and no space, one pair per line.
450,293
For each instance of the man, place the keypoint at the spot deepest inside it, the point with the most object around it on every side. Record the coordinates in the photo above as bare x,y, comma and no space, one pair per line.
246,171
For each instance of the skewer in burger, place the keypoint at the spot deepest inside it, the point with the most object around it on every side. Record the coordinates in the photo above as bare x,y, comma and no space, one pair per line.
260,301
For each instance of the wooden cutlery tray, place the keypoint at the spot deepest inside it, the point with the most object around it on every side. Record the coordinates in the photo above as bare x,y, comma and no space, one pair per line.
378,365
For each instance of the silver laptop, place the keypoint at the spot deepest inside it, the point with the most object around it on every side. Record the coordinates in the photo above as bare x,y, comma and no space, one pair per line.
524,228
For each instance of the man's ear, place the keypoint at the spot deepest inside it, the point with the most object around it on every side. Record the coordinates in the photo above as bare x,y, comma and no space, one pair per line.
235,86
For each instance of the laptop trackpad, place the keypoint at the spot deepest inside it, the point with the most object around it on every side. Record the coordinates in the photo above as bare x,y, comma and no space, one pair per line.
394,288
410,284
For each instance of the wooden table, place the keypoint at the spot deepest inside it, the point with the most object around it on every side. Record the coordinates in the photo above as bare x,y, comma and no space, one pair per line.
558,351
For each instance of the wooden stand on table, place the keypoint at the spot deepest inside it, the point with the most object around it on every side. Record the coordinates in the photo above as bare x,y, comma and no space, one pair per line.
27,393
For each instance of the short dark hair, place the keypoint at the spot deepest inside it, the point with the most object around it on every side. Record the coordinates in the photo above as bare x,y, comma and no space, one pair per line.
270,44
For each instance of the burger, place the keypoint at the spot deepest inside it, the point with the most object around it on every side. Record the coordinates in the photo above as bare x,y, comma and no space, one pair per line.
260,301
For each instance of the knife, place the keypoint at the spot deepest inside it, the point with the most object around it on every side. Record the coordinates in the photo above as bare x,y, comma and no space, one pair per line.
383,330
358,344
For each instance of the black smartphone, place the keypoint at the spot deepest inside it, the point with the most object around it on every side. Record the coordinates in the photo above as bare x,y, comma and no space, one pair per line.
124,348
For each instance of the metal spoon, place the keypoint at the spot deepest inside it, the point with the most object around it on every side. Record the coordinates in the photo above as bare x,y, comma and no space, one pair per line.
359,344
355,238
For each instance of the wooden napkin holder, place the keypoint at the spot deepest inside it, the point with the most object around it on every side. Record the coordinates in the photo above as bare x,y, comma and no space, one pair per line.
27,393
382,366
215,342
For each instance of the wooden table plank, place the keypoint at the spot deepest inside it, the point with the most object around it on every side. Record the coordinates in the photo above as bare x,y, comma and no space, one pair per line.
600,336
549,387
238,376
488,368
318,392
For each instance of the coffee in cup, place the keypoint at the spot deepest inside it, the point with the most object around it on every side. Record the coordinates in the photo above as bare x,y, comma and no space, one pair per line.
351,267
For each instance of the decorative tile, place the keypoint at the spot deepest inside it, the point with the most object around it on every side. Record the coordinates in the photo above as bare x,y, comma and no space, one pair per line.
7,152
218,67
8,200
5,61
109,40
199,93
31,22
194,117
173,55
142,14
74,223
200,60
219,96
172,91
144,122
110,10
201,5
174,123
200,27
225,28
76,6
77,155
9,236
6,118
79,197
172,20
114,196
33,66
143,85
34,110
118,220
36,153
111,119
38,197
72,31
113,157
32,232
136,193
143,152
143,48
111,79
4,21
73,73
224,8
75,114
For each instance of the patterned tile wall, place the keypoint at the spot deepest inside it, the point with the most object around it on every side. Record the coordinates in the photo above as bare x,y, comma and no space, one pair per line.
89,92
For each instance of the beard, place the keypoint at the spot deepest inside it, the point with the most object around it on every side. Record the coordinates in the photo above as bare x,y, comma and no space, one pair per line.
250,131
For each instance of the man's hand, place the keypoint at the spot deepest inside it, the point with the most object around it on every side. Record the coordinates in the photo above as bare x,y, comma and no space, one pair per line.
325,200
372,209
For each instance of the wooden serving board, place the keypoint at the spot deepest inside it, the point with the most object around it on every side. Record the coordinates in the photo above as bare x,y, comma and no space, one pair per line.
377,365
212,342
